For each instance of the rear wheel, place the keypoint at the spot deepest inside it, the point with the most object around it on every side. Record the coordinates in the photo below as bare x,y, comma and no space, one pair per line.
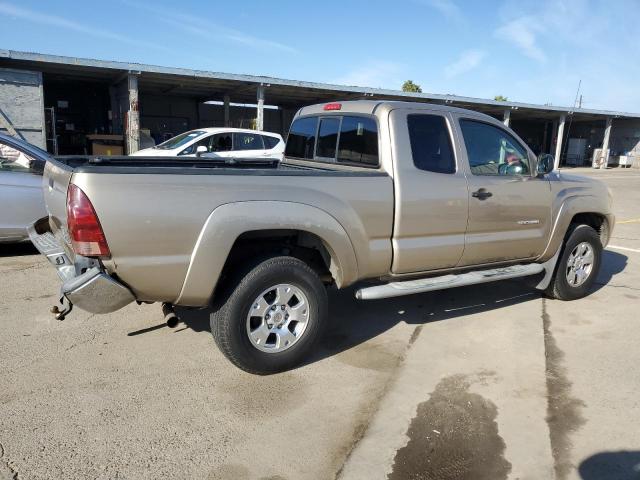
271,317
578,265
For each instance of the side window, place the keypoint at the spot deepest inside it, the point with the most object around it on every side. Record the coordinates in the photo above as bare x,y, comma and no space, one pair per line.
191,149
301,141
269,142
13,160
358,141
220,142
247,141
430,143
328,137
492,151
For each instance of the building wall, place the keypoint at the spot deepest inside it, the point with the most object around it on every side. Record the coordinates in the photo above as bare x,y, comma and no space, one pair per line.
22,105
625,137
166,116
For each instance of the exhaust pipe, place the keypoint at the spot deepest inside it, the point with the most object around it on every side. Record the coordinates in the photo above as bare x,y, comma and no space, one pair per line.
170,316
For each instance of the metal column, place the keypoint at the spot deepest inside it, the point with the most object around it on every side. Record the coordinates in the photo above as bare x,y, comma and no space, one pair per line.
260,113
226,99
133,115
507,117
559,141
605,144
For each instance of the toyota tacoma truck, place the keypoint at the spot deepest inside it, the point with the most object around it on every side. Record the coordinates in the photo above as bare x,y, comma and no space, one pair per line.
397,198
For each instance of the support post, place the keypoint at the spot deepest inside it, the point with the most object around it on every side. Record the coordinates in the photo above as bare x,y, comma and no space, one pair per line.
543,147
506,119
605,144
559,138
260,108
226,100
283,128
133,116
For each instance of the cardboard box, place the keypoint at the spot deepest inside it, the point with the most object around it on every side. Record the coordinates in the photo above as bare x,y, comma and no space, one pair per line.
106,150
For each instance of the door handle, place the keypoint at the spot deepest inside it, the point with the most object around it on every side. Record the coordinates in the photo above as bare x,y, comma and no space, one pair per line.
482,194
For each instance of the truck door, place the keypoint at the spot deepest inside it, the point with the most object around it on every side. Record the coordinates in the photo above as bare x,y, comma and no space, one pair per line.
509,205
431,195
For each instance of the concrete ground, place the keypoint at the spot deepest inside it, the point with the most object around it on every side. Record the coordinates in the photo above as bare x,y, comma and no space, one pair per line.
484,382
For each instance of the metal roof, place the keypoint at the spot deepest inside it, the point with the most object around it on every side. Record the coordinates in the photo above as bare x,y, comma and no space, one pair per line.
294,93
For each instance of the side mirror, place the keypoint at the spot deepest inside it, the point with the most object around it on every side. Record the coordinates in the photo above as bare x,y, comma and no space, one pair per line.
546,163
200,150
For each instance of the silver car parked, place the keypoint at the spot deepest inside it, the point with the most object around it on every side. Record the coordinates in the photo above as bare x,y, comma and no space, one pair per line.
21,198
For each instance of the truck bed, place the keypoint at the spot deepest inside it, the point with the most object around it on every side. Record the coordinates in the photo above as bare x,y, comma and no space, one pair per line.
198,166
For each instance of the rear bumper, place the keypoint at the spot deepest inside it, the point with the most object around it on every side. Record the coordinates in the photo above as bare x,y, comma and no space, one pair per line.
84,284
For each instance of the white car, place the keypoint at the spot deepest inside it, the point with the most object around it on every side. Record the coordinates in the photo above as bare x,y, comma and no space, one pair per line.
219,143
21,167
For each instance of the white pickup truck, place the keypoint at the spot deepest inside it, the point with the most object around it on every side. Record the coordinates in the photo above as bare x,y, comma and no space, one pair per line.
398,198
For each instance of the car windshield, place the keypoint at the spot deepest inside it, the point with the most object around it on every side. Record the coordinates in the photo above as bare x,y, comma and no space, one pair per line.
180,140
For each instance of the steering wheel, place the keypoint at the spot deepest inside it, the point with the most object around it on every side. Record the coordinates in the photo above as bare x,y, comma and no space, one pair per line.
514,168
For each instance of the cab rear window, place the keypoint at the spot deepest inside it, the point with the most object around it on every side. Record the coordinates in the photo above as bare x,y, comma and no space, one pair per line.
342,139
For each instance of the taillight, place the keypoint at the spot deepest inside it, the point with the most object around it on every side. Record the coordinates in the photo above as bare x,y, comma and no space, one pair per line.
87,237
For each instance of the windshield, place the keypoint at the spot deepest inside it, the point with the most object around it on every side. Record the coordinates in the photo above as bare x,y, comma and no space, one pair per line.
180,140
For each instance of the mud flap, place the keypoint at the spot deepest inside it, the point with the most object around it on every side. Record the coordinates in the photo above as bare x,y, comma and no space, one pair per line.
549,270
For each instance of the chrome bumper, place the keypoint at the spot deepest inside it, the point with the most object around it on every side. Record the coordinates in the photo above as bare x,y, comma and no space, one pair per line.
84,284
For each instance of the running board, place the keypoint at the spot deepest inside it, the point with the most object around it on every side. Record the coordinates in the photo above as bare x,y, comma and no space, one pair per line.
398,289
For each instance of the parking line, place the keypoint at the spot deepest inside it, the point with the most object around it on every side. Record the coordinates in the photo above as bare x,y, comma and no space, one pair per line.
615,177
633,220
626,249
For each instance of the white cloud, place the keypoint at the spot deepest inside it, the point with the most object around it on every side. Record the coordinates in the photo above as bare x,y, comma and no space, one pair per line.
522,33
63,23
376,74
209,30
448,8
467,61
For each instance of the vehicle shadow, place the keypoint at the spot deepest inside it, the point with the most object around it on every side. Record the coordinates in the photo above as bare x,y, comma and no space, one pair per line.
17,249
622,465
612,264
353,322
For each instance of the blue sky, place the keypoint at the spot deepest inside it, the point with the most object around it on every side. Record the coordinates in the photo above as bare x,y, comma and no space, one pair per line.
530,51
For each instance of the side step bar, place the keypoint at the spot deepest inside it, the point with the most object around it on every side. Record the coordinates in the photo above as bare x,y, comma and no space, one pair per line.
398,289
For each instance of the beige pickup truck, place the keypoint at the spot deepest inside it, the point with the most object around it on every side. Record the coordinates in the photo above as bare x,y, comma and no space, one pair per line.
396,198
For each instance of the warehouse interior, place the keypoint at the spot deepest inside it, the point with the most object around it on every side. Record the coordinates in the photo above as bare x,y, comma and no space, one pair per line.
102,107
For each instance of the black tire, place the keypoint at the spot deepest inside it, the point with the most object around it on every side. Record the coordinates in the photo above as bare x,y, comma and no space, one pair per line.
560,287
229,319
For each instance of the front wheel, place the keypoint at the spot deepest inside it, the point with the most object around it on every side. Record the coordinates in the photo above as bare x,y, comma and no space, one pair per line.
272,317
578,265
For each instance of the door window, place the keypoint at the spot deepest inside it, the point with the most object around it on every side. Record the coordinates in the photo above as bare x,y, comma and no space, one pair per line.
492,151
247,141
270,142
430,143
13,160
220,142
192,149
